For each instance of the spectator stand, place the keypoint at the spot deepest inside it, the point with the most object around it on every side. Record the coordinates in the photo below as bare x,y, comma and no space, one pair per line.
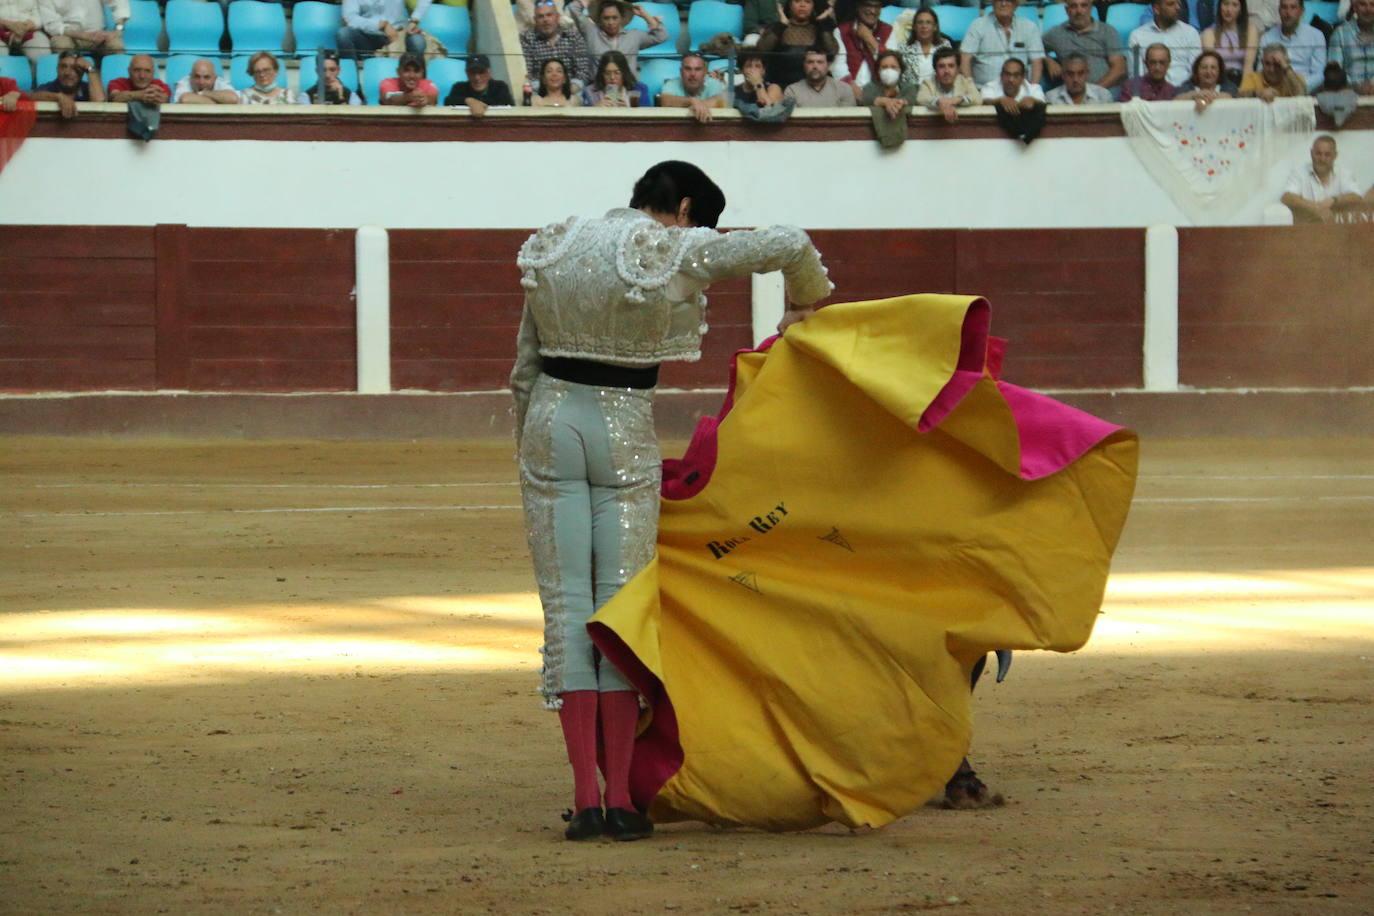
955,20
178,66
444,72
113,66
143,31
708,18
315,26
672,21
194,27
451,25
45,70
376,69
16,67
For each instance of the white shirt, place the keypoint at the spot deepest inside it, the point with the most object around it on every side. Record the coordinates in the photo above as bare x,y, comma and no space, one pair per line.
1182,40
1093,94
994,91
183,87
61,16
1304,183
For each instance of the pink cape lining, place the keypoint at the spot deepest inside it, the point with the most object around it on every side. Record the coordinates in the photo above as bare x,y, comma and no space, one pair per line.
1052,436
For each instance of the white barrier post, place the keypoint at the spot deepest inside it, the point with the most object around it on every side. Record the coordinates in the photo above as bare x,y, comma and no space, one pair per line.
1161,309
373,279
769,298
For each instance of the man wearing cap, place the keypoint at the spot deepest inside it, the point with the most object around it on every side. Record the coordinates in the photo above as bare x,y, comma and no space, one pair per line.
479,90
372,24
550,39
608,33
861,39
409,86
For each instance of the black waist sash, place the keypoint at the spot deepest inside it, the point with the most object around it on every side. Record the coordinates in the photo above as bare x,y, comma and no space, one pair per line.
602,375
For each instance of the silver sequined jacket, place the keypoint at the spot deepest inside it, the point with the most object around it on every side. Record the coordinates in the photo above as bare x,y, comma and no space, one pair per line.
628,291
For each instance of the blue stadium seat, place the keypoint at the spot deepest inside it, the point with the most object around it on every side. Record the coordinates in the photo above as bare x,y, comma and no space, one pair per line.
443,72
672,21
239,76
315,25
655,71
449,24
890,14
348,73
1053,14
1029,11
16,67
955,20
45,71
143,31
708,18
256,26
1125,18
376,69
194,27
113,66
1327,9
179,66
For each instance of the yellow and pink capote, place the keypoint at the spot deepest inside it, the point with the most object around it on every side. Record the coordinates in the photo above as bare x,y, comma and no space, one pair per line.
871,512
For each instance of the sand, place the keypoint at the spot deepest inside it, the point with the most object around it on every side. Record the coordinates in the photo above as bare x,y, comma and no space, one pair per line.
299,677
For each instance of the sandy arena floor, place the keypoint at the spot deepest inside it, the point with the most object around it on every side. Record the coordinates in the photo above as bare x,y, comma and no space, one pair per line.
245,677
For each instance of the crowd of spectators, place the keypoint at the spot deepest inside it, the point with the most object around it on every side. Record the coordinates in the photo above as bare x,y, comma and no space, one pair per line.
809,54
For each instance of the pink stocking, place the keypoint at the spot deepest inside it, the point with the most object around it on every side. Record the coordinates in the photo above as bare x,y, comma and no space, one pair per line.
578,718
619,718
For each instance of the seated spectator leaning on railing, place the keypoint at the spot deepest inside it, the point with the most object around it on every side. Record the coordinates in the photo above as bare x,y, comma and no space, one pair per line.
1076,90
1020,104
204,86
409,86
755,88
1096,42
1306,45
1317,192
140,85
1352,46
608,33
550,39
21,29
948,89
861,39
787,43
78,80
1181,40
1003,36
1275,78
369,25
480,91
334,91
1153,85
80,25
1207,84
694,88
264,68
817,88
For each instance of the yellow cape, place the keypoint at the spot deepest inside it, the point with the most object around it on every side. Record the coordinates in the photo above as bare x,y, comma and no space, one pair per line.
806,632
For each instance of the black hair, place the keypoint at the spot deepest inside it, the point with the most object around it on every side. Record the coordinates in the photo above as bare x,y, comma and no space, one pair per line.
665,185
819,48
627,76
941,53
411,61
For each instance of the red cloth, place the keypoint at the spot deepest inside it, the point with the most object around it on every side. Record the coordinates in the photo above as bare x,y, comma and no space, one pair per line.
392,86
124,84
856,52
14,126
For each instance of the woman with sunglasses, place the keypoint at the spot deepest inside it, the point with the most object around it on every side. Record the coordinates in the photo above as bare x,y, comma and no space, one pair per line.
606,301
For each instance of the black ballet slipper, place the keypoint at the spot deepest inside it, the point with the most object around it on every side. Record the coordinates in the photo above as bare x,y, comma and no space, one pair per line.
585,824
623,824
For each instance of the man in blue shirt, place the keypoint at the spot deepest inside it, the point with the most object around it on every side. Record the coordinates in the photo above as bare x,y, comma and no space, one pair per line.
372,24
694,89
1306,45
